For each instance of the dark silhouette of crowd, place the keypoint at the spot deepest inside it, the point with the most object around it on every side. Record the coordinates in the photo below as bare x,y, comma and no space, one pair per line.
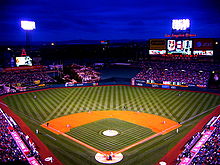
10,153
82,74
184,72
209,152
24,77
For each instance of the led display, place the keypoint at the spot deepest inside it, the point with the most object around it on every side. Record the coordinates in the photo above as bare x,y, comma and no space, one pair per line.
203,52
157,52
179,47
23,61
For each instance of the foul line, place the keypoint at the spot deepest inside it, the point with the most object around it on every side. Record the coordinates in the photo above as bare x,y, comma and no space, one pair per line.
3,104
77,141
135,144
198,114
117,152
144,140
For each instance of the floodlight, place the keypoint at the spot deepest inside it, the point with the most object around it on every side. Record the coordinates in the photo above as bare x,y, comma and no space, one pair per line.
28,25
180,24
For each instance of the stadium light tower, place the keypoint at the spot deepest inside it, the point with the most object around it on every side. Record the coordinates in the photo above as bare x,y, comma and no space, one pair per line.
28,26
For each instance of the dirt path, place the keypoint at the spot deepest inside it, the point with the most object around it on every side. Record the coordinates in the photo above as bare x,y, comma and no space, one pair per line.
155,123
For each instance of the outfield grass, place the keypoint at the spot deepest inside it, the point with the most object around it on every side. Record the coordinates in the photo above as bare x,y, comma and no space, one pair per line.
54,103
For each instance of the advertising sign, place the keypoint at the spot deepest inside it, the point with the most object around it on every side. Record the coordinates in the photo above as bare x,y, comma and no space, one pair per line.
203,44
158,44
157,52
203,52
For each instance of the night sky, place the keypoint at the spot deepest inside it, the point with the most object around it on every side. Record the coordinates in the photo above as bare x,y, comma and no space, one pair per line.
61,20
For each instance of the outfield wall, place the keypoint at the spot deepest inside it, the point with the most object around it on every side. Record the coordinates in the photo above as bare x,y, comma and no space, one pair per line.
145,83
119,81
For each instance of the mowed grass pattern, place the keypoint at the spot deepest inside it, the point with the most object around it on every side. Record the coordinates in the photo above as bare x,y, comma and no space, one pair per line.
91,134
54,103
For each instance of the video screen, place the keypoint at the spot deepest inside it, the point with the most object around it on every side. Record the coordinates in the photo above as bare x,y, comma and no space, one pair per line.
23,61
203,52
181,47
157,52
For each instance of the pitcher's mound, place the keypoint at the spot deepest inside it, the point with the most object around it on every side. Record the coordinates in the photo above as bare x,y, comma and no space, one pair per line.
104,159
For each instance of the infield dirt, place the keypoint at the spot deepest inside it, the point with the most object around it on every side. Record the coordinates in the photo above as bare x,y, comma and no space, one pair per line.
155,123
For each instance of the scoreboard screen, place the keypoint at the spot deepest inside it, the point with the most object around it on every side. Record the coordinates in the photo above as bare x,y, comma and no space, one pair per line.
23,61
183,47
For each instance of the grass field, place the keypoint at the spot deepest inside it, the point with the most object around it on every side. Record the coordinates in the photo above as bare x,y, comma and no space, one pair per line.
128,134
54,103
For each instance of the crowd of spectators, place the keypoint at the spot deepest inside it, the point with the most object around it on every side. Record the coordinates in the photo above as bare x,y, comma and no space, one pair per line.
209,152
2,91
86,74
183,72
24,77
10,153
9,80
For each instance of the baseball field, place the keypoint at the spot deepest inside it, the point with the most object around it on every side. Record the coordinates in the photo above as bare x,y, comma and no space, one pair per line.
72,121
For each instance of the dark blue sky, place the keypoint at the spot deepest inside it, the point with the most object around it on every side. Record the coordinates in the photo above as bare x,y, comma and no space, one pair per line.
60,20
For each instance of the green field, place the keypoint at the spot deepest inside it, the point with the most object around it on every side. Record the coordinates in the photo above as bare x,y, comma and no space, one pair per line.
54,103
128,134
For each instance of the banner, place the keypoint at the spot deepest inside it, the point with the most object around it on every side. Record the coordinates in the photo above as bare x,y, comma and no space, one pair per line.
24,68
20,143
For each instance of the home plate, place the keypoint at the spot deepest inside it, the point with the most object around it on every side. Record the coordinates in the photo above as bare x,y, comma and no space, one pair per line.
103,158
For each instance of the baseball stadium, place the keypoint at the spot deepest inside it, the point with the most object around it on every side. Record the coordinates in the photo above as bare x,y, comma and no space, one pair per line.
162,108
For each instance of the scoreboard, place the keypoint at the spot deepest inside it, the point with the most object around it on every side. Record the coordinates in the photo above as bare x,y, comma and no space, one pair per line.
184,47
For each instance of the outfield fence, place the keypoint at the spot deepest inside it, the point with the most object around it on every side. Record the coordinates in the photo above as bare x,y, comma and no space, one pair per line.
120,81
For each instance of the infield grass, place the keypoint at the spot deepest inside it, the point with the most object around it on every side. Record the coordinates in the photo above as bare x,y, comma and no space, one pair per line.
91,134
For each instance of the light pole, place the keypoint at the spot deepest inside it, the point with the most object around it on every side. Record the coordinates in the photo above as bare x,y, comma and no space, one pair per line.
28,26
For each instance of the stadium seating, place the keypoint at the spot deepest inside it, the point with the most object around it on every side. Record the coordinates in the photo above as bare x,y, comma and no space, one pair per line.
86,74
189,73
24,78
15,146
204,146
